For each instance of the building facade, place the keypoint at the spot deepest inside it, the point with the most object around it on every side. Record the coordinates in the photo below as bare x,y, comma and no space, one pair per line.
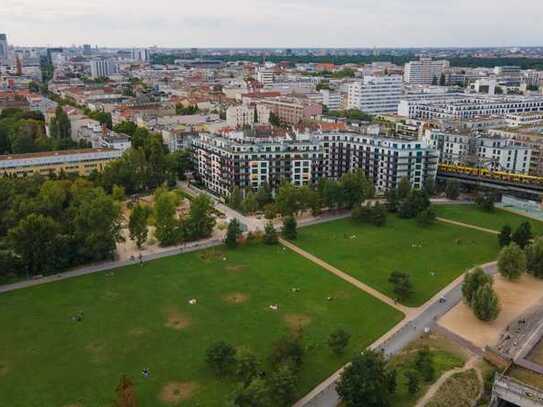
376,95
3,49
102,68
248,162
80,162
424,71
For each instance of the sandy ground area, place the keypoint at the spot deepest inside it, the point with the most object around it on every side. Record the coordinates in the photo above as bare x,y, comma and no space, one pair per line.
516,298
127,249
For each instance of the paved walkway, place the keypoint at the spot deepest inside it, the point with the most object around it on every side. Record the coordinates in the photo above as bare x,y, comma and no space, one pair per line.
109,265
344,276
434,388
467,225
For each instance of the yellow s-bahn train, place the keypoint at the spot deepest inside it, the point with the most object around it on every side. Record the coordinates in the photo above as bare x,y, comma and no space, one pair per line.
489,174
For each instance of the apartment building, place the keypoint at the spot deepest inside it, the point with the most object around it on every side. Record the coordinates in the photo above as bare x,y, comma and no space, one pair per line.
469,107
292,110
481,150
102,68
333,100
265,76
80,162
425,71
247,161
375,95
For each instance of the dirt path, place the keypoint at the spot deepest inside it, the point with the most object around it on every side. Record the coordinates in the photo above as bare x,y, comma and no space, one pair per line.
467,225
434,388
344,276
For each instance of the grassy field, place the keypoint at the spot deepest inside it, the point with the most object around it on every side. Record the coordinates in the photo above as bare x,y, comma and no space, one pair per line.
491,220
139,317
434,256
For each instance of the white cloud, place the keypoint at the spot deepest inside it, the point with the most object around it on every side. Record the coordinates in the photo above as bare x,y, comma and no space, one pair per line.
273,23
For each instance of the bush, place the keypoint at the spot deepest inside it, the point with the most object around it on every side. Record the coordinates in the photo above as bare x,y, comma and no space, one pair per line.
233,234
486,201
288,350
452,190
338,341
522,235
534,258
401,284
427,217
221,358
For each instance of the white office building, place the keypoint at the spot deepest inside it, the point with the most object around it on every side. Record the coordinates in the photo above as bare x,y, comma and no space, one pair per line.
141,54
424,71
103,68
333,100
265,76
375,94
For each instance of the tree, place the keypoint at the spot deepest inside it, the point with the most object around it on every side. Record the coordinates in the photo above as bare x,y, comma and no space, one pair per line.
355,188
425,364
287,350
96,224
221,357
165,217
378,215
200,222
534,258
413,381
429,186
290,228
486,202
282,385
137,225
250,204
452,190
504,238
392,198
264,196
485,303
126,393
404,188
270,234
338,341
233,234
35,241
235,200
473,280
426,217
287,200
255,394
247,366
401,284
522,235
365,382
512,262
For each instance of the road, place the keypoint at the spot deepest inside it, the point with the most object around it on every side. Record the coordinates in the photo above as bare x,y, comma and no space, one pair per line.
394,341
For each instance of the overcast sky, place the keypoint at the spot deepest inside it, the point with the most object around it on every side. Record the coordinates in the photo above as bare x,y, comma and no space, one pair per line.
273,23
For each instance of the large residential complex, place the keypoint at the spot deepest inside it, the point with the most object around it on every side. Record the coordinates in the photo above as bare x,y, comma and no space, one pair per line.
480,150
81,162
376,95
469,107
425,71
246,160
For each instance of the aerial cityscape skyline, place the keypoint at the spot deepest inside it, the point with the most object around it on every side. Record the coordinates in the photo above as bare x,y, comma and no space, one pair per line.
266,23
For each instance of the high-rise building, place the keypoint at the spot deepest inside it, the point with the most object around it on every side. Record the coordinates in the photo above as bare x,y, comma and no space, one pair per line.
425,71
141,54
102,68
376,94
3,49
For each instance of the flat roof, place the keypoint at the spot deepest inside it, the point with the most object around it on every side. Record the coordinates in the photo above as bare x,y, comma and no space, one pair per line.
53,153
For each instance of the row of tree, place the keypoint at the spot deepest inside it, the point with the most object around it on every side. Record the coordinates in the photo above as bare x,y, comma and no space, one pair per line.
49,225
24,132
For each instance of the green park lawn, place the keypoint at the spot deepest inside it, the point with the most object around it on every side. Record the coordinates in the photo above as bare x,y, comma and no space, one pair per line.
433,256
139,317
491,220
